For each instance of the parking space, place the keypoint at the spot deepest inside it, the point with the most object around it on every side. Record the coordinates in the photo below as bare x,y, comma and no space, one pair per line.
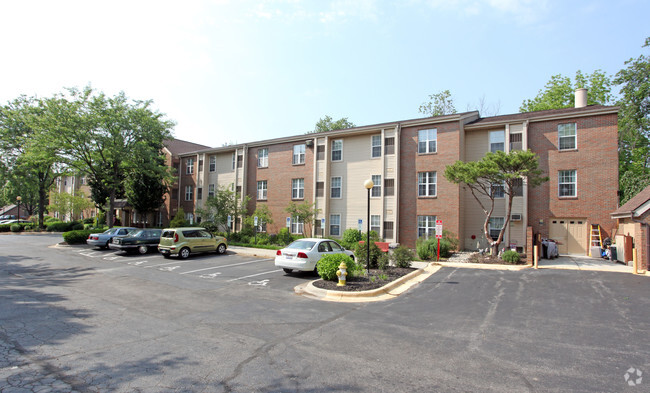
218,270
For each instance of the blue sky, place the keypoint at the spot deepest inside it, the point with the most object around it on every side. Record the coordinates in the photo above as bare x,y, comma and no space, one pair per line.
240,71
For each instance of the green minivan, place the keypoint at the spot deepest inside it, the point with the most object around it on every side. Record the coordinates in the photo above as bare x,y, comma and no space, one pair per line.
186,241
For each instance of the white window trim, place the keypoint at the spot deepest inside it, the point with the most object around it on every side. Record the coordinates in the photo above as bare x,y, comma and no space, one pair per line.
575,137
234,160
297,189
299,226
372,146
575,183
211,189
503,133
301,155
332,152
503,187
340,187
430,226
491,228
263,162
378,226
264,190
333,224
213,163
435,184
427,141
189,166
377,186
189,193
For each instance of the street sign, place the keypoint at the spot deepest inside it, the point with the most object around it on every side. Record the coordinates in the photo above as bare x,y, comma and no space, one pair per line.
360,225
255,221
322,223
229,221
288,222
438,229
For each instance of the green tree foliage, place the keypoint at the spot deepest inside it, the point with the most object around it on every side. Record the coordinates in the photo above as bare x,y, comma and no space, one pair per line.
328,124
559,92
496,169
264,216
65,203
179,219
304,212
634,125
224,203
439,104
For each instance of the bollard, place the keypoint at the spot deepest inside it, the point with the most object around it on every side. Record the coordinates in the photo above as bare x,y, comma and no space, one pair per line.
536,256
635,263
342,273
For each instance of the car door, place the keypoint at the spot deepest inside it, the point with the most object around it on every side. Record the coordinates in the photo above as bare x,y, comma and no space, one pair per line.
208,243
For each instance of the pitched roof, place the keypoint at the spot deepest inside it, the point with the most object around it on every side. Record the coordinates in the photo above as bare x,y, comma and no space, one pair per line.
629,207
178,146
540,114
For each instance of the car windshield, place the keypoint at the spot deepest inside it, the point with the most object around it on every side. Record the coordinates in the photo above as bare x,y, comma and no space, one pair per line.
110,231
302,245
138,233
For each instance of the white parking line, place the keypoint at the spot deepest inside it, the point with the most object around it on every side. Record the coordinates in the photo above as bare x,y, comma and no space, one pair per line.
253,275
169,263
219,267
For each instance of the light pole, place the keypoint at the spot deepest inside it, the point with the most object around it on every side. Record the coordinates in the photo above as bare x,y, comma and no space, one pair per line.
18,199
369,185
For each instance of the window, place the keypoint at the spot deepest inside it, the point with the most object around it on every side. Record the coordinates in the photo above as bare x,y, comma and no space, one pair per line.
375,224
427,184
213,163
389,187
496,223
240,160
567,183
335,189
337,150
320,152
296,225
234,160
426,226
376,189
427,140
211,191
567,136
320,189
335,225
263,158
389,145
297,188
200,165
518,187
388,229
189,166
498,190
516,142
189,193
261,190
497,141
238,191
298,154
199,193
376,146
175,193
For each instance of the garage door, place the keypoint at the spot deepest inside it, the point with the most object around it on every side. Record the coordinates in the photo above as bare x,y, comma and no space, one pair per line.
571,235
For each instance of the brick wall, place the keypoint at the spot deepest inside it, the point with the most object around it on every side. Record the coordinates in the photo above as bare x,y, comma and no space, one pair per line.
187,180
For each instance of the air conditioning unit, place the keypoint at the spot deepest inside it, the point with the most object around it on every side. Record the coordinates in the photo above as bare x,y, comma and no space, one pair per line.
515,217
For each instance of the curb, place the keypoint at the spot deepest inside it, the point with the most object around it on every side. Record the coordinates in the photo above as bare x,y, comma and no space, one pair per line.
388,291
487,266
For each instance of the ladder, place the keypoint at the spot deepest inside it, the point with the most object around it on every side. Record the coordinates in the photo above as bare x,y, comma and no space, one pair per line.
596,239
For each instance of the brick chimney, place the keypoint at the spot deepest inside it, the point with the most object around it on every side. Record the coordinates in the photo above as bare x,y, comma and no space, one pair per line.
581,98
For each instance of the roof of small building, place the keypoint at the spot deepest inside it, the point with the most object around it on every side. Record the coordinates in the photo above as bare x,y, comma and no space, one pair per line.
633,204
179,146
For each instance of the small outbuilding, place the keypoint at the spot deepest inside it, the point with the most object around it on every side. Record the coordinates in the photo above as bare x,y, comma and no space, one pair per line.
633,232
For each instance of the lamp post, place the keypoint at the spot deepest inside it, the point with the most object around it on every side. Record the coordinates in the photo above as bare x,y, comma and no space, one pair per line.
18,199
369,185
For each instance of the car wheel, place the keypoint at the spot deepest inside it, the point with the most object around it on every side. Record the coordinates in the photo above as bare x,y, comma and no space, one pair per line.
221,248
287,270
143,249
184,253
105,246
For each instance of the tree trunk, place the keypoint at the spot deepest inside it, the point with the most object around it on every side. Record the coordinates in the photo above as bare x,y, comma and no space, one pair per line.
111,207
42,196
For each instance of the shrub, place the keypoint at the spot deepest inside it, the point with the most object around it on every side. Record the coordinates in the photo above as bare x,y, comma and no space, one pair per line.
403,256
426,248
88,220
511,256
351,238
78,227
16,227
58,226
446,248
284,237
329,265
384,261
78,236
179,219
361,251
5,228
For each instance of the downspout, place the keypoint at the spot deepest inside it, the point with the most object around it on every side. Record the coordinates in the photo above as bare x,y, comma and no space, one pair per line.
398,171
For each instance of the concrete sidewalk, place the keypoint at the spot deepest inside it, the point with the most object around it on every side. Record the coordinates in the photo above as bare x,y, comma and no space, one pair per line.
580,262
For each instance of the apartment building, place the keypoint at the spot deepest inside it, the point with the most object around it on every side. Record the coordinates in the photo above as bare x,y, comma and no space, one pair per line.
577,149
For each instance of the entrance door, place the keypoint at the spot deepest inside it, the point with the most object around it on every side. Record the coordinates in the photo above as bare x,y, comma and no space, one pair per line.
570,234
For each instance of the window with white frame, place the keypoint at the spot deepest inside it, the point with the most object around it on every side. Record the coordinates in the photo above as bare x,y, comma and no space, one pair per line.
375,224
335,224
376,189
211,191
497,141
298,154
261,190
498,190
427,184
375,146
234,160
496,223
263,158
567,136
427,141
213,163
189,193
335,189
189,166
567,183
337,150
296,225
297,188
426,226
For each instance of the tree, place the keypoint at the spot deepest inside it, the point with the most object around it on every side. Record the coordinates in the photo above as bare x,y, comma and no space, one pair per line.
493,173
634,125
101,135
65,203
224,203
264,216
559,92
328,124
305,213
439,104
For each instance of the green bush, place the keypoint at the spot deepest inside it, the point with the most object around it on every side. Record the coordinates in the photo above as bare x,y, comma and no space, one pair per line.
16,227
511,256
426,248
5,228
351,238
329,265
58,226
403,256
384,261
361,251
284,237
179,219
79,236
78,227
89,220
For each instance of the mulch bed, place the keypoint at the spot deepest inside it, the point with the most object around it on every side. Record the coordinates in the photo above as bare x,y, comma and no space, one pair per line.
478,258
364,283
